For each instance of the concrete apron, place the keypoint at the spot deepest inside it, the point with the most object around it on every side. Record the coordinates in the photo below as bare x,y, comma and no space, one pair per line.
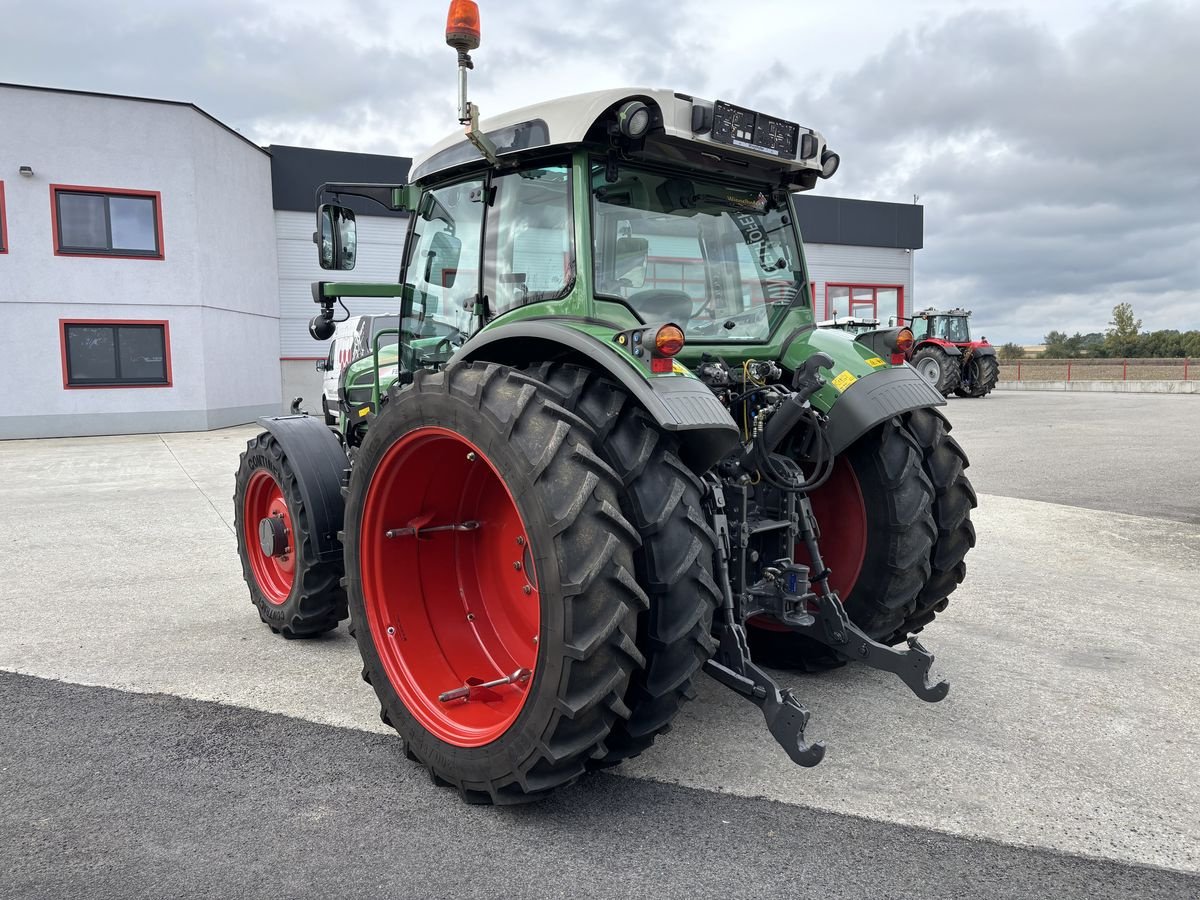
1071,724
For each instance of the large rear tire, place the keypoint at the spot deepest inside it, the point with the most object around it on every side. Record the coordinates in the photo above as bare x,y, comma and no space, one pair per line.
938,367
876,516
674,564
539,579
945,463
979,376
295,594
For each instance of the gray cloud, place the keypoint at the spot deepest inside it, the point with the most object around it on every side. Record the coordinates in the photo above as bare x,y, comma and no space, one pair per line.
1058,167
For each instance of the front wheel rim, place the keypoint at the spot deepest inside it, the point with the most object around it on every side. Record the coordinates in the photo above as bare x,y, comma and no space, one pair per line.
930,369
449,608
274,573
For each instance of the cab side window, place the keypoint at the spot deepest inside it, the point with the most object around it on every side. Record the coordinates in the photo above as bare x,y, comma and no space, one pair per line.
528,249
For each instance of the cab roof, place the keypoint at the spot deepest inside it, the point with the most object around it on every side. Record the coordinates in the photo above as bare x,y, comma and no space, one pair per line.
567,121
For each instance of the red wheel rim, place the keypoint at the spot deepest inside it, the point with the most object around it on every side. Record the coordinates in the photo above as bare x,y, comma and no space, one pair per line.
273,572
448,608
842,517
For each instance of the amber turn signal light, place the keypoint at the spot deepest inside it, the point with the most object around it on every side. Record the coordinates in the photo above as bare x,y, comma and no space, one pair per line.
462,25
668,341
904,340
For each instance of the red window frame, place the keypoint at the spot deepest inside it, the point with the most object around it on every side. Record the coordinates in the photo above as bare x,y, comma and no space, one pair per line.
3,223
62,340
156,196
874,288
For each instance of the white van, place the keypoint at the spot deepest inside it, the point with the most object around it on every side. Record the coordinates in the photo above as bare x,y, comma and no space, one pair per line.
352,339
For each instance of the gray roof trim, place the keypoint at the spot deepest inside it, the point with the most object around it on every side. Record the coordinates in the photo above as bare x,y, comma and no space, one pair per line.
860,223
297,172
209,116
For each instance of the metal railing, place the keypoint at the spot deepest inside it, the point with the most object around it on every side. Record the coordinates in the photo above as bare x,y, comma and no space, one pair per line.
1173,369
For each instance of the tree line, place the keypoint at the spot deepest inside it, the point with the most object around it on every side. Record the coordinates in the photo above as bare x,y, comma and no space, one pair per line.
1123,339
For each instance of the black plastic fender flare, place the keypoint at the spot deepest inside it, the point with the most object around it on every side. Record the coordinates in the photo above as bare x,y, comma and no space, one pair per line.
319,461
679,404
989,350
876,398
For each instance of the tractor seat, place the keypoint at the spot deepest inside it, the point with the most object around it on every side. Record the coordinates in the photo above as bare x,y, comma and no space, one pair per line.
659,305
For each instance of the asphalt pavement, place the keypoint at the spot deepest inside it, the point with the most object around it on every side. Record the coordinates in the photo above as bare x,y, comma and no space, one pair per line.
161,742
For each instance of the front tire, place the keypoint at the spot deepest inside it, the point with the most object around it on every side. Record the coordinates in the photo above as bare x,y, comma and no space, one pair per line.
542,581
937,367
295,594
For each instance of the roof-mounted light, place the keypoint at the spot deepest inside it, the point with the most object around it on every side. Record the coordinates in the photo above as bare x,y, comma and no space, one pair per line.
462,25
633,119
829,163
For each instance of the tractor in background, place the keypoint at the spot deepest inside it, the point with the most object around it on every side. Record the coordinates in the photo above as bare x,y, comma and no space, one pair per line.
944,354
608,448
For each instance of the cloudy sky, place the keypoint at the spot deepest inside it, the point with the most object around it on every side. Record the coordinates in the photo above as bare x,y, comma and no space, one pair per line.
1055,145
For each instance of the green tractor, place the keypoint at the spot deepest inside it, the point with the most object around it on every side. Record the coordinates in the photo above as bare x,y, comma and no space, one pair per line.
606,448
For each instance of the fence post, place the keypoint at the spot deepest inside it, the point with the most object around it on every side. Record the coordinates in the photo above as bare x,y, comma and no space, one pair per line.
1185,368
1019,371
1068,371
1125,370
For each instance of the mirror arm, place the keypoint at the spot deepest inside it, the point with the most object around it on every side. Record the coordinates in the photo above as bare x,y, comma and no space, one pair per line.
393,197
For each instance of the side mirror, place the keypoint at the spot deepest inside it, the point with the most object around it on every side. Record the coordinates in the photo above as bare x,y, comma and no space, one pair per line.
322,365
441,262
631,260
336,237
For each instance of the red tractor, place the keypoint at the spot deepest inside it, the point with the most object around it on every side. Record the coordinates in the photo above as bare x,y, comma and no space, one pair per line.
944,354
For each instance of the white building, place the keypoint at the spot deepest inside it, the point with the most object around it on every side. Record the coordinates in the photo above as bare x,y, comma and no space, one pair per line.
138,271
156,266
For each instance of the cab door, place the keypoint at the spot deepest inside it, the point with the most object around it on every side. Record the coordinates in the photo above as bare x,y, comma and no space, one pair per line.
440,307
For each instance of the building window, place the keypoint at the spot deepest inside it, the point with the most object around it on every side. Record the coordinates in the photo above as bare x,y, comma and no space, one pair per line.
3,223
884,302
103,222
116,354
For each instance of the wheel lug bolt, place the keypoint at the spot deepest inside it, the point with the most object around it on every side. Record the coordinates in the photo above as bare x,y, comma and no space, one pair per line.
470,457
517,565
527,590
535,638
391,630
470,617
520,542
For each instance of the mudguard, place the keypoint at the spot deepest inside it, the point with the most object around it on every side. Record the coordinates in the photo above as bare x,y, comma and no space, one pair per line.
950,349
989,350
869,401
678,403
317,458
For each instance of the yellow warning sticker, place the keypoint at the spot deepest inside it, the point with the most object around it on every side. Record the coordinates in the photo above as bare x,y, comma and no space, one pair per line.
844,380
876,362
678,368
366,411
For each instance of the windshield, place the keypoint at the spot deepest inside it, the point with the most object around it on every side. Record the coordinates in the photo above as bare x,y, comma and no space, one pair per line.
710,257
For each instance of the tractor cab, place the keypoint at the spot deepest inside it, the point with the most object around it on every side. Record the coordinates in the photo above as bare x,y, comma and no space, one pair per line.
951,326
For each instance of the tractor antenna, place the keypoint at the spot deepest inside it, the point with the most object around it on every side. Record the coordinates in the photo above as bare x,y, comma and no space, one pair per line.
463,34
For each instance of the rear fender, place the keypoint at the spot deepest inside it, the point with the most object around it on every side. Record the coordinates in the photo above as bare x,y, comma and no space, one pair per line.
983,350
869,401
950,349
678,403
319,461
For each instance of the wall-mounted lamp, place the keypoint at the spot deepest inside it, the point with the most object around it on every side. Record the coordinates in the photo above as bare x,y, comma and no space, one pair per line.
27,171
